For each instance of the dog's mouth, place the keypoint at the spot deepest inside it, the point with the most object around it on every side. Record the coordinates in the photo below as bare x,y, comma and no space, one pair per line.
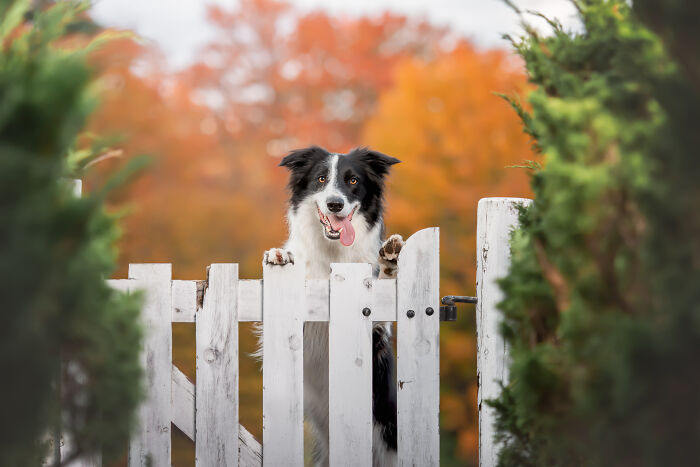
338,228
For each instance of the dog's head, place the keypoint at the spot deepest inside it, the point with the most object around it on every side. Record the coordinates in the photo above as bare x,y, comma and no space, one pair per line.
338,188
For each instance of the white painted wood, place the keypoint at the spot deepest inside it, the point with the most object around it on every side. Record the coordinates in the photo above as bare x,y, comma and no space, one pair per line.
250,451
418,352
383,300
496,218
316,300
151,444
316,308
183,403
283,319
216,425
350,365
250,300
184,301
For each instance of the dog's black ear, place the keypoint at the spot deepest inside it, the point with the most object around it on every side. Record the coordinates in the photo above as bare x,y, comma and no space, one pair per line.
299,159
379,163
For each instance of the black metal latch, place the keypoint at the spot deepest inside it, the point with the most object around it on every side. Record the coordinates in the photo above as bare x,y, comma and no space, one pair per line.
448,310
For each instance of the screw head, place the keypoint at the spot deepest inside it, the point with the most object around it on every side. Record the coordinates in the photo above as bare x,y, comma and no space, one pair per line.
410,313
429,311
366,311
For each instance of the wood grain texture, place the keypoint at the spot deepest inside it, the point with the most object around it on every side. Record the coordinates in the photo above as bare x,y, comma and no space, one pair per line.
316,305
249,449
250,300
350,365
183,411
216,417
151,443
383,300
418,352
283,320
184,301
496,218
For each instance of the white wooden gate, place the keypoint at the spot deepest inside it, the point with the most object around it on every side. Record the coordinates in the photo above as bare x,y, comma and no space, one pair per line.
283,300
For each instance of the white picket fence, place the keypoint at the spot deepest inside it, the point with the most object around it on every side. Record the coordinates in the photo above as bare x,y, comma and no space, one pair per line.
283,300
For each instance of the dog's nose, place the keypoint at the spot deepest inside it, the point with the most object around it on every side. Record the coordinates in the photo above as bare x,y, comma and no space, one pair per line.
334,204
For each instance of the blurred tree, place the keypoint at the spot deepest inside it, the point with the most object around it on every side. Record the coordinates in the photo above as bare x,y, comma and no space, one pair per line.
602,296
68,343
455,139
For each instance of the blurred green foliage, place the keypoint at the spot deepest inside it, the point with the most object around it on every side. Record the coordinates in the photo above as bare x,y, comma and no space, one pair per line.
59,316
602,307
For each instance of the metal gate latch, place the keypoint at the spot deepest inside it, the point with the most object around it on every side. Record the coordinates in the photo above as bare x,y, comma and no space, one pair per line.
448,310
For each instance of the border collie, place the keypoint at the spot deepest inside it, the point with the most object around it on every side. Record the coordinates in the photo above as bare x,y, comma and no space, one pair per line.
336,216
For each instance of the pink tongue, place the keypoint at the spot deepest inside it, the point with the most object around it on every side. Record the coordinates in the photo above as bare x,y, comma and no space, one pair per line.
347,234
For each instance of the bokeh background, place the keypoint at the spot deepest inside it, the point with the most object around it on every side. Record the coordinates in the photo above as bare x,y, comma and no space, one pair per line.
216,93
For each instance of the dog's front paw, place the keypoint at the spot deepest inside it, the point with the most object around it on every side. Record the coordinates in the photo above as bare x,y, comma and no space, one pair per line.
278,256
388,256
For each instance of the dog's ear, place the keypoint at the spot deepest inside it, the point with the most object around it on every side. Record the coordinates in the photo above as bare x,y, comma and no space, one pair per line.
300,159
379,163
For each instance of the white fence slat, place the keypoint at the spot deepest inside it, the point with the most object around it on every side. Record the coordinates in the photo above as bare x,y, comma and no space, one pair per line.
184,301
496,217
250,300
250,451
383,300
418,350
283,319
216,426
151,444
350,365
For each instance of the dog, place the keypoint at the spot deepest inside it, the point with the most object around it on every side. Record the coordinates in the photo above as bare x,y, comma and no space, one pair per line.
335,215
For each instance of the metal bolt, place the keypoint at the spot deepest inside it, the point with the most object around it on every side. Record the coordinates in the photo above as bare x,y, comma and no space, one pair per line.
410,313
429,311
366,311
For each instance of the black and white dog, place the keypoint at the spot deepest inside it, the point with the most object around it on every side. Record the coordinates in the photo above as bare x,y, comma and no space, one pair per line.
336,216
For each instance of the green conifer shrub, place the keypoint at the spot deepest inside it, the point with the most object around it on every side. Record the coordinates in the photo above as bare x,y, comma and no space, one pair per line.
602,301
69,344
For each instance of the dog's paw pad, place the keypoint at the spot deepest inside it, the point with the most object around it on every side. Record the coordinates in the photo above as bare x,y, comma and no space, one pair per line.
278,256
391,248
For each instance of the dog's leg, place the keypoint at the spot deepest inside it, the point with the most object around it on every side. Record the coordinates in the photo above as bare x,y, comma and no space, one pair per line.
278,256
388,256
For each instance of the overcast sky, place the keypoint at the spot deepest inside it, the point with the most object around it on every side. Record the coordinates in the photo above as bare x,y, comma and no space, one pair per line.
180,29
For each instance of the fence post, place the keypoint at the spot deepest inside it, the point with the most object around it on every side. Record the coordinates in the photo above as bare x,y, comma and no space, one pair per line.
496,218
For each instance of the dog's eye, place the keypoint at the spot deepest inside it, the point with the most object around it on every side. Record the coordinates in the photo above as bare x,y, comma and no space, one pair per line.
353,181
322,179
